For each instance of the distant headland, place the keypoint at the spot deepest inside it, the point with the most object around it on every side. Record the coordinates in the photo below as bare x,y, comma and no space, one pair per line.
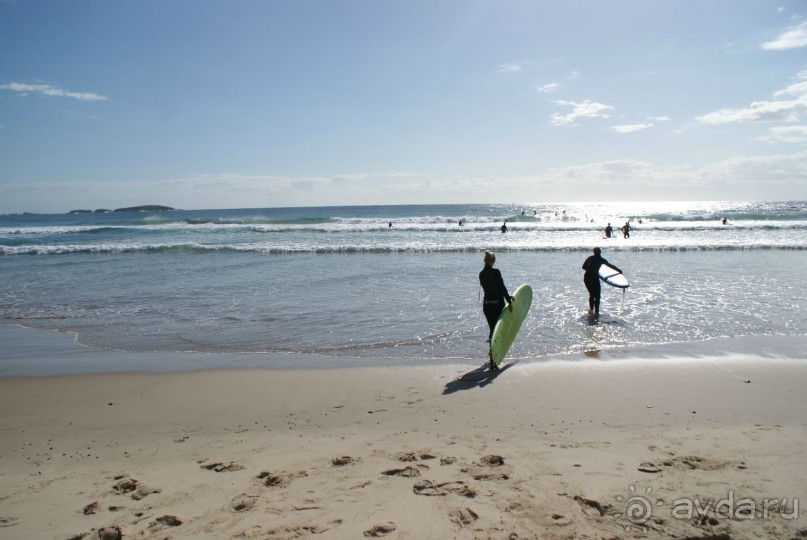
144,208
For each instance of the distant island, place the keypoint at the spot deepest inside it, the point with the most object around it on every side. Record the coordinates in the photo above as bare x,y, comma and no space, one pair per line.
144,208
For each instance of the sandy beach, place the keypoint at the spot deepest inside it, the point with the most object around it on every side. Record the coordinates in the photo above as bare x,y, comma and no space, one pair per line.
710,447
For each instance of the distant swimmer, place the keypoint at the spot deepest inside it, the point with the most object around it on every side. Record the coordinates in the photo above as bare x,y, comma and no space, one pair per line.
725,221
504,226
390,224
461,223
626,229
591,279
495,294
609,231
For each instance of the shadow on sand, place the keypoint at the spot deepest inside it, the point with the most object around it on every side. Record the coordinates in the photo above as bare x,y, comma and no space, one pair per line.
476,378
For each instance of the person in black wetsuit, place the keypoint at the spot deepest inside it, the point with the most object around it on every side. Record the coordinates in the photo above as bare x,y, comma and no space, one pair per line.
495,293
609,231
591,278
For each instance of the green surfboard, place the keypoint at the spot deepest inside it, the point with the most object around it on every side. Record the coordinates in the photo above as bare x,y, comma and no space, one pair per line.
509,323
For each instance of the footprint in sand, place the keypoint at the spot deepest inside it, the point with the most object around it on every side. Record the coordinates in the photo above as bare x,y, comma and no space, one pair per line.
381,530
463,516
342,461
482,470
492,461
591,504
423,455
164,521
144,491
243,502
429,488
125,485
130,485
408,472
690,463
109,533
90,508
270,479
223,467
298,531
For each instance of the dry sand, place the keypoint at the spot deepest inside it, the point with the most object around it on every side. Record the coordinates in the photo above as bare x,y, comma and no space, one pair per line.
581,449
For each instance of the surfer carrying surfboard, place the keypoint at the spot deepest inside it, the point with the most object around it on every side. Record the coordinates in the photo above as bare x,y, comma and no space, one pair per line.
591,278
496,294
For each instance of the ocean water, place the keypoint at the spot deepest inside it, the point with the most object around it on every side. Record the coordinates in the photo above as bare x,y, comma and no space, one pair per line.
340,283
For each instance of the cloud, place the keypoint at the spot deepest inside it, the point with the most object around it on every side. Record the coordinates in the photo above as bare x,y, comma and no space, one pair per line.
630,128
781,110
512,67
787,134
772,169
746,172
796,89
549,87
48,90
792,38
583,109
751,177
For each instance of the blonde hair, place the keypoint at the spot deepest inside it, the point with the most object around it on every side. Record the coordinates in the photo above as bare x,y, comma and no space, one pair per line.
490,257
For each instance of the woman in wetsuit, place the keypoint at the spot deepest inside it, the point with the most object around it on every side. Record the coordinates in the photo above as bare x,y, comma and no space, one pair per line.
591,278
495,292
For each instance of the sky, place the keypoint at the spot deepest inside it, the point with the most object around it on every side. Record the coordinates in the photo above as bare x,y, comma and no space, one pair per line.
245,103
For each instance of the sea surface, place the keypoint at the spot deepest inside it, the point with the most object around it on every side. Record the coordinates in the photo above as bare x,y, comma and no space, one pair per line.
399,284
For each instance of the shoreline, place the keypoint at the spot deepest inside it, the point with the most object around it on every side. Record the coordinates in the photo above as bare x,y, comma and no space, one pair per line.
34,352
539,450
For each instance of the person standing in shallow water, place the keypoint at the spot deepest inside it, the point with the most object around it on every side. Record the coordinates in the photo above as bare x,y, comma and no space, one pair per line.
496,294
591,279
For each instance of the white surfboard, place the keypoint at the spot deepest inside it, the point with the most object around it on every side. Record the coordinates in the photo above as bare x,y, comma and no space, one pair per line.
613,277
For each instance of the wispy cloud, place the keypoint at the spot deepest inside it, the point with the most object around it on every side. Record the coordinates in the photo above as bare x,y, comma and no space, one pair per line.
512,67
549,87
787,134
777,110
50,90
583,109
792,38
742,171
630,128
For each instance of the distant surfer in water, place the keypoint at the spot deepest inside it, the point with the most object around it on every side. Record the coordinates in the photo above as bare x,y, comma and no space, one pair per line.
495,293
591,278
504,226
626,229
609,231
